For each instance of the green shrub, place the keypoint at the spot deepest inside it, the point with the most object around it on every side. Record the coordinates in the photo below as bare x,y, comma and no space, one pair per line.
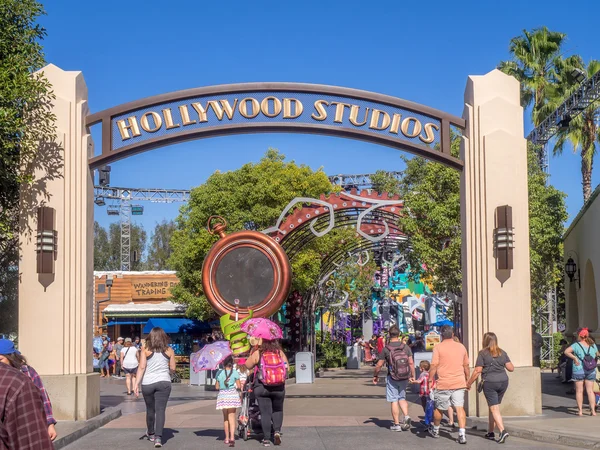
330,354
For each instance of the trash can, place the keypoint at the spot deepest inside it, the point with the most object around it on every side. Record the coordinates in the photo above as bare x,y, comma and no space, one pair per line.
352,353
305,372
197,378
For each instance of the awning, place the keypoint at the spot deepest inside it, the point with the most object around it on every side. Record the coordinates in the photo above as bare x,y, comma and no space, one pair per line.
179,325
126,322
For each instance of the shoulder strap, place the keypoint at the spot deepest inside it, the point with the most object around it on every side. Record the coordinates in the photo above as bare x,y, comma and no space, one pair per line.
126,351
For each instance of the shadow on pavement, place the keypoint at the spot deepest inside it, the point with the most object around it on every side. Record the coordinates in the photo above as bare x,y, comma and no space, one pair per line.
219,434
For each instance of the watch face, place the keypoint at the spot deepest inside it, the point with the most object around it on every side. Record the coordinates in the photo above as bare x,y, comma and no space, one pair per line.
250,267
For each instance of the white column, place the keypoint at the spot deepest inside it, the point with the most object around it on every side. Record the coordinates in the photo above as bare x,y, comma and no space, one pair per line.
55,311
495,174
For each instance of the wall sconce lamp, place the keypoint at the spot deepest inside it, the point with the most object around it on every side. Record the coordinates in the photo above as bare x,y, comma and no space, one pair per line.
571,269
46,245
504,241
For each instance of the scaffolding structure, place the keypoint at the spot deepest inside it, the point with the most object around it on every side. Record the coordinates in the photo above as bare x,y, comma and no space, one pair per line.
124,198
361,180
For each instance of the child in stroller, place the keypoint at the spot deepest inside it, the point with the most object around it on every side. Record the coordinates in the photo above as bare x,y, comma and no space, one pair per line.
249,418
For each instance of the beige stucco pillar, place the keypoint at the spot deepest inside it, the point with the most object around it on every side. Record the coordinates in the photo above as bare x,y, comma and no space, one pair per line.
55,322
495,155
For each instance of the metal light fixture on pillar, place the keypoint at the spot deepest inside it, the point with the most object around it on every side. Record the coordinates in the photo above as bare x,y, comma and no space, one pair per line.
571,269
46,240
504,242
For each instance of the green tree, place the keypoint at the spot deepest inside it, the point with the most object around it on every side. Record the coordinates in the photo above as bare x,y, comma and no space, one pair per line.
431,219
101,248
547,215
583,132
253,193
107,247
431,194
159,249
385,182
535,55
9,294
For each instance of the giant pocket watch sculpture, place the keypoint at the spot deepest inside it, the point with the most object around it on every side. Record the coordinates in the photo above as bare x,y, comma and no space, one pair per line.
248,266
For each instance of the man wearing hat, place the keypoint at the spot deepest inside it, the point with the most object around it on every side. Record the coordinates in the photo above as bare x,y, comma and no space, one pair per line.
118,361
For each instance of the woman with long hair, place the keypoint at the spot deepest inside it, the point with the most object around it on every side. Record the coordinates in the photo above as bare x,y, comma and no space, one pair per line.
584,354
129,358
9,355
492,364
157,362
269,389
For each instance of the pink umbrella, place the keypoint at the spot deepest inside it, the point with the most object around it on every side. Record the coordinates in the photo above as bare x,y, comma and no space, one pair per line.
262,328
210,356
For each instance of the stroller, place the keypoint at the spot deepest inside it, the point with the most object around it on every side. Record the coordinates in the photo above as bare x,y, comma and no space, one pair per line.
249,417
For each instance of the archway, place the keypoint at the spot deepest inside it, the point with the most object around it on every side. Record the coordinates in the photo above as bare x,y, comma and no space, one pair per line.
493,167
589,304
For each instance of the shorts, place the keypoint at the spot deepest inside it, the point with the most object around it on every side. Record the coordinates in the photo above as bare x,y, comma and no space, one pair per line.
494,391
103,364
588,376
130,371
395,390
450,397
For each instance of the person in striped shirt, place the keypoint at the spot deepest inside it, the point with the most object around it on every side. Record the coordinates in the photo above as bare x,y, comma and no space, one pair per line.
9,355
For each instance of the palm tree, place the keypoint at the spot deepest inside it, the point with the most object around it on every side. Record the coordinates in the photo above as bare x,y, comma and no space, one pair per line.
535,55
583,132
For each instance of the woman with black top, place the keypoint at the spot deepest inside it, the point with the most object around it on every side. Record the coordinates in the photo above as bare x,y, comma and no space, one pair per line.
492,363
269,397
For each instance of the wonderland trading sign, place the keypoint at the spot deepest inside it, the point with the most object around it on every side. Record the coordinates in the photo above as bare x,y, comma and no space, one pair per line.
274,107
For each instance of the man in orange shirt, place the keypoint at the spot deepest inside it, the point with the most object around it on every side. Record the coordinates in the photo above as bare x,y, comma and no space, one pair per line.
450,362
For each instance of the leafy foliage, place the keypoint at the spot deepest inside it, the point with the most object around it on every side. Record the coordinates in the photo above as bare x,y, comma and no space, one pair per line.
535,55
26,124
385,182
547,215
431,219
254,193
107,247
159,249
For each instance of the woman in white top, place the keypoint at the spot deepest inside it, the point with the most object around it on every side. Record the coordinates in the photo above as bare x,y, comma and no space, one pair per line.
129,363
157,362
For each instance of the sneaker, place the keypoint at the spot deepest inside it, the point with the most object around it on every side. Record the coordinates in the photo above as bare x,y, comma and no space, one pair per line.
157,442
396,427
433,433
150,437
462,439
503,436
406,424
490,436
277,439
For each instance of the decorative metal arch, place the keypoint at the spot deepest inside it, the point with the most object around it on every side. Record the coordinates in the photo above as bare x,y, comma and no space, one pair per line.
198,113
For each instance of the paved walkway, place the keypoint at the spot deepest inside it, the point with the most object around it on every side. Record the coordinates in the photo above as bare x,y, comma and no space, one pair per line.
342,410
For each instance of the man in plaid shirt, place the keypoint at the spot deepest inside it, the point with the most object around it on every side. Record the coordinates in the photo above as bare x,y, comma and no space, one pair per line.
22,418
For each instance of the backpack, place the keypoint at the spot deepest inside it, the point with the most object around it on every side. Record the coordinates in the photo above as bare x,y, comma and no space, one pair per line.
273,370
589,362
398,363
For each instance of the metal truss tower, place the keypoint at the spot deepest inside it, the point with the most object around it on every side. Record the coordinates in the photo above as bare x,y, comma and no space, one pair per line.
124,197
360,180
586,94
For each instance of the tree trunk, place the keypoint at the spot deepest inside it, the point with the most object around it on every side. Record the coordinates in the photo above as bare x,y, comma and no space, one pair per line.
587,159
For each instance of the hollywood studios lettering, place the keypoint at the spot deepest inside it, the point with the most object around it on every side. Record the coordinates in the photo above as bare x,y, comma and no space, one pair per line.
272,107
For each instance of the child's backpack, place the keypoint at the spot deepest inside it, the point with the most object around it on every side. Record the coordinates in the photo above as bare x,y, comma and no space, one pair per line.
273,370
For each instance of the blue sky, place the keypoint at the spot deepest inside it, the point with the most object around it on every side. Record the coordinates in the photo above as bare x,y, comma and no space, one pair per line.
418,51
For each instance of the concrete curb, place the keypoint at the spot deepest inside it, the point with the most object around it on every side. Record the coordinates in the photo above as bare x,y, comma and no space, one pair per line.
92,424
549,437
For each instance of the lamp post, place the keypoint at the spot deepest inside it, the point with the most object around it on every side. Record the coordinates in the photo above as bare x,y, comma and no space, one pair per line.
109,283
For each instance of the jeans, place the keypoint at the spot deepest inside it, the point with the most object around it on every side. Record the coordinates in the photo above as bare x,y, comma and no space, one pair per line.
156,396
270,401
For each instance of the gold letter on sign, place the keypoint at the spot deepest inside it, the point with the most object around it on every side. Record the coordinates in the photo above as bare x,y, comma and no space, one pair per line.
320,109
146,125
429,133
339,111
264,106
287,108
225,107
185,115
169,119
244,108
128,124
416,129
354,116
375,120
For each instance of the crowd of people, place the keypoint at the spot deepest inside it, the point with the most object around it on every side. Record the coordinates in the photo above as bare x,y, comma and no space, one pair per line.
28,420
